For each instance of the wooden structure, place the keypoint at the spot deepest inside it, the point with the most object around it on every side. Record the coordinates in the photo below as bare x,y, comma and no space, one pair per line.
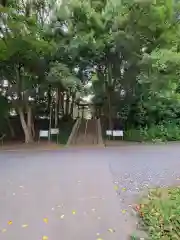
84,108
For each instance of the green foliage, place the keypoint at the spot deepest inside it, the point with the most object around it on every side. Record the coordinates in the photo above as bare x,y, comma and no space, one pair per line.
120,46
157,92
160,213
4,113
65,130
162,132
166,131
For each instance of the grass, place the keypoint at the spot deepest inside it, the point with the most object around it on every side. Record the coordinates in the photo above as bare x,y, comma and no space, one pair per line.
159,213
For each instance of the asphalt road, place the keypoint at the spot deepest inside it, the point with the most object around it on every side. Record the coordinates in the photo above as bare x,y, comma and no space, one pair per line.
78,194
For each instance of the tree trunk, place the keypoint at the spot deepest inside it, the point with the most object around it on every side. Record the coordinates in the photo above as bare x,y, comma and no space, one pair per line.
78,111
72,105
49,96
27,131
67,105
33,129
30,121
109,94
29,117
10,127
71,108
61,102
50,122
109,109
56,108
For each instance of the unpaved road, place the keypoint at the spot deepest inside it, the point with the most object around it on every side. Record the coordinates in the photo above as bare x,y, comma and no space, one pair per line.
70,194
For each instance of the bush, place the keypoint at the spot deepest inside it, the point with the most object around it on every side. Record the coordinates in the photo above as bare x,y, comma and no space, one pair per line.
133,135
160,213
161,132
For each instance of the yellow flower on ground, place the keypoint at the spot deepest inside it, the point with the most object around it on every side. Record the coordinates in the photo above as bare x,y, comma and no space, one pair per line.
124,189
45,220
73,212
123,211
44,238
10,223
115,187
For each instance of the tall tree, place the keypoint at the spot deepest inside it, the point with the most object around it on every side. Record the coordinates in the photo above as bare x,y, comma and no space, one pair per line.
22,57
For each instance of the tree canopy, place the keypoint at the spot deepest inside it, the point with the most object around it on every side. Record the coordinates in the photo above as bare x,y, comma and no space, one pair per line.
128,50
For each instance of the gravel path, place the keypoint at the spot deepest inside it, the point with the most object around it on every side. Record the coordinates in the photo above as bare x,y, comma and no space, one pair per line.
79,193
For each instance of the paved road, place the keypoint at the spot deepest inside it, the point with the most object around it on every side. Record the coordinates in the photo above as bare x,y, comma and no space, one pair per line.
70,194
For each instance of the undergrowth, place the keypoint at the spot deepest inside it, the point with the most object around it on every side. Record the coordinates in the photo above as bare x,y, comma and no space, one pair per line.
159,213
155,133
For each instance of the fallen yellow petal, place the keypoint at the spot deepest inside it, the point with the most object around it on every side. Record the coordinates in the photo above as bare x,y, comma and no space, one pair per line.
10,222
124,211
115,187
123,189
62,216
3,230
99,239
24,225
73,212
44,238
45,220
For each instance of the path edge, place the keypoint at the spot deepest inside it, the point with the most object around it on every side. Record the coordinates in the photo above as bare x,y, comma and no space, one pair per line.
73,132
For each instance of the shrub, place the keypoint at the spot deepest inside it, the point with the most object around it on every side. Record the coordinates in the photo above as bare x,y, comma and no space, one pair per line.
168,131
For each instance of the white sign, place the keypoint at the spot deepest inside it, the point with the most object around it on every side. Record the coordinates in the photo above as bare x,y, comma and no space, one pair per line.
43,133
118,133
115,133
109,132
54,131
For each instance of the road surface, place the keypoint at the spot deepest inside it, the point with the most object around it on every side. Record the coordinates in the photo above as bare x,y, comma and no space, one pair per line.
79,194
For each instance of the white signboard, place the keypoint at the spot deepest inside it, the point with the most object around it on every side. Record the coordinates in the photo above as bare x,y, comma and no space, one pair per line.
118,133
54,131
109,132
43,133
115,133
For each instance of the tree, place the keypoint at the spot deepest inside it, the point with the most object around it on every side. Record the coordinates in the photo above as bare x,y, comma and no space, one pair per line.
112,39
158,96
50,51
23,53
66,86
